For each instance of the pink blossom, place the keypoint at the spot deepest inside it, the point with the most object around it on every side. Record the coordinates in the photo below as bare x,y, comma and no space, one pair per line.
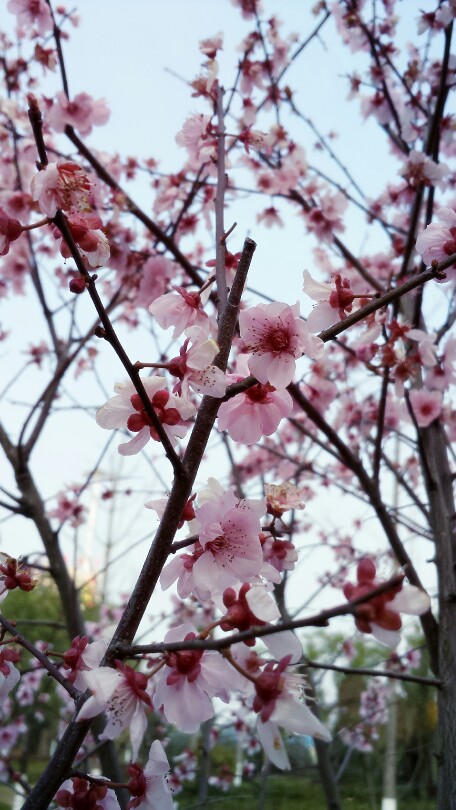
380,615
9,676
426,346
197,137
120,693
281,498
426,406
10,229
14,575
61,185
77,793
419,169
435,20
252,606
270,216
92,242
181,310
228,550
31,14
255,413
335,301
82,656
249,7
281,554
325,219
181,569
276,336
211,45
194,368
190,678
443,374
154,276
229,534
276,701
82,113
69,508
148,785
437,242
125,410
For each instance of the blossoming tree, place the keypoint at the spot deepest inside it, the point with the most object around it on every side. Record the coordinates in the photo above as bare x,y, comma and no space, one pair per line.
346,392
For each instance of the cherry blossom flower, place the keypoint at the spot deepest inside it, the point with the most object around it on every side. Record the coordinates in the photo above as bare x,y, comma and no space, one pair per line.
14,575
32,14
270,216
82,656
61,185
181,310
380,615
10,229
69,509
155,273
9,675
77,793
148,785
281,554
276,336
228,550
254,413
120,693
281,498
185,686
426,406
254,605
125,410
181,569
334,301
198,137
160,505
92,242
277,704
426,346
325,219
82,113
249,7
419,168
435,20
438,241
194,368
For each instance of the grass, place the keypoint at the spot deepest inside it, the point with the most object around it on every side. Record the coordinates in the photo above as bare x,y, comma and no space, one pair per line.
290,793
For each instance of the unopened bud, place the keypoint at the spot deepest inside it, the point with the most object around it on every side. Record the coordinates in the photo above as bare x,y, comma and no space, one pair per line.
77,285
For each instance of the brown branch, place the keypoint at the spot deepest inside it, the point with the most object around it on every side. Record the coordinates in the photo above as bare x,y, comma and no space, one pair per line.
41,657
320,619
377,673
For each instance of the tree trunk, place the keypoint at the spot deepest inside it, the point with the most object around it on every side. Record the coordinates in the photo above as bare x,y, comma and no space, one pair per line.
442,511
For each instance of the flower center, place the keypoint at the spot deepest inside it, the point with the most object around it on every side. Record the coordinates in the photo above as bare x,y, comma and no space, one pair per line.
278,339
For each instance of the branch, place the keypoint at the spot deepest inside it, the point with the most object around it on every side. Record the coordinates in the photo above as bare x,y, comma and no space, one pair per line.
382,673
317,620
41,657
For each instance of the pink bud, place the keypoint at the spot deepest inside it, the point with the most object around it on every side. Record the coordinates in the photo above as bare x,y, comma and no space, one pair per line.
77,285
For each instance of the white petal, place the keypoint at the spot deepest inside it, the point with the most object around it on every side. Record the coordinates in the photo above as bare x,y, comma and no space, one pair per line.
262,604
411,600
136,444
271,740
297,717
284,643
390,638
